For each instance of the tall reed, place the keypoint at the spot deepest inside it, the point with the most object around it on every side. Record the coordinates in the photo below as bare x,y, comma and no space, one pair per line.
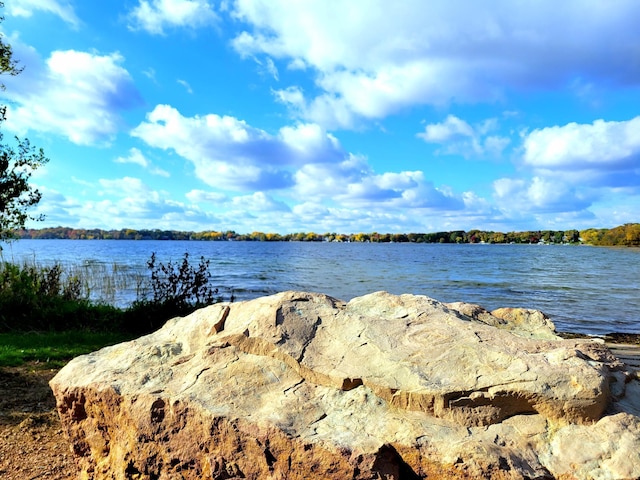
101,296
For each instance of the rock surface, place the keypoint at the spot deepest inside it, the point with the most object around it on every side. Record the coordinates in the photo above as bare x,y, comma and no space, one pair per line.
300,385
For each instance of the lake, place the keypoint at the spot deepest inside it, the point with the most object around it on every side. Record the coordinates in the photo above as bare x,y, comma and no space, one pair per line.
583,289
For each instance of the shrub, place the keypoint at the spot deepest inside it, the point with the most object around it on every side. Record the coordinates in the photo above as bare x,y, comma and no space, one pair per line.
177,289
45,299
183,284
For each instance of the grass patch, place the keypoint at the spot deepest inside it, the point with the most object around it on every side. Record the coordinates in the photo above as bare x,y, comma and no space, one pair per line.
53,349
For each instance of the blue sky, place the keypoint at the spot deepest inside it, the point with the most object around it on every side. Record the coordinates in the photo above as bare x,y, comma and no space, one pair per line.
330,116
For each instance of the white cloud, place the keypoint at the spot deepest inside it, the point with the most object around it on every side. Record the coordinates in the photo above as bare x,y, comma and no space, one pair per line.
154,16
373,58
617,212
200,196
494,145
452,128
186,85
598,160
129,201
322,181
353,95
460,138
258,202
150,73
127,187
352,184
539,195
120,203
601,145
310,143
267,67
137,157
26,8
272,69
55,206
575,168
316,217
426,196
255,204
291,96
75,94
229,154
302,163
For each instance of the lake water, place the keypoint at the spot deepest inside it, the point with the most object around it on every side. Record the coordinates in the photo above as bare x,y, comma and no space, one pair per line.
583,289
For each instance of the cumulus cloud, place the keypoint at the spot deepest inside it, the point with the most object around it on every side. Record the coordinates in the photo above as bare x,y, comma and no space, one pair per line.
79,95
26,8
137,157
129,201
452,128
276,173
574,168
201,196
229,154
592,162
119,203
292,96
351,183
325,180
539,195
155,16
320,218
127,187
437,53
404,190
258,202
459,137
600,147
55,206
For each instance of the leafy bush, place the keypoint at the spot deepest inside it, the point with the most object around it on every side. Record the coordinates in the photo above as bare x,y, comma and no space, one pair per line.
177,290
183,284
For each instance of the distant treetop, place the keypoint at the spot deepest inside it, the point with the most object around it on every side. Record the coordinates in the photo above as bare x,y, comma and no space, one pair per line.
624,235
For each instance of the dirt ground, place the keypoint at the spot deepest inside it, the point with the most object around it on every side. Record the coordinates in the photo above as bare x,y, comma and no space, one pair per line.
32,443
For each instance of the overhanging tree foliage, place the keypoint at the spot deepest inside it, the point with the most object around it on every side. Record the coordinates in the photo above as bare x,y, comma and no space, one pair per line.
17,162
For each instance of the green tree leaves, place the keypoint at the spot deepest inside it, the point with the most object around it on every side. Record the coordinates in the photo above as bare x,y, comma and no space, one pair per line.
17,163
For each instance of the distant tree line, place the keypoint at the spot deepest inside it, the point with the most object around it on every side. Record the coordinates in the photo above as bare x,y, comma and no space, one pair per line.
624,235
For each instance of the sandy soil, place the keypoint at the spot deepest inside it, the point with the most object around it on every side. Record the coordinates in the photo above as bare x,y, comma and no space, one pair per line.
32,443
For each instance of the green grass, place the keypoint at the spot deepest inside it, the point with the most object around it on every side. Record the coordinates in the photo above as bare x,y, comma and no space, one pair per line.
53,349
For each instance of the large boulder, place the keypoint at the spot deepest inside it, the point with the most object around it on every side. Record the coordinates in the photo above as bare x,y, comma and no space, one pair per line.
301,385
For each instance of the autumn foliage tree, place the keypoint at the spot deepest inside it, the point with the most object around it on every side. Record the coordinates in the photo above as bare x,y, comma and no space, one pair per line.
18,160
623,235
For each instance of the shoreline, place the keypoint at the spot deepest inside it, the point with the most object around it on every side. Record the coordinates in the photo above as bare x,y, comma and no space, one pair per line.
611,337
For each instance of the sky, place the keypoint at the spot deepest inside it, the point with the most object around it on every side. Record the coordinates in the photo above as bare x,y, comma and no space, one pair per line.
329,116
